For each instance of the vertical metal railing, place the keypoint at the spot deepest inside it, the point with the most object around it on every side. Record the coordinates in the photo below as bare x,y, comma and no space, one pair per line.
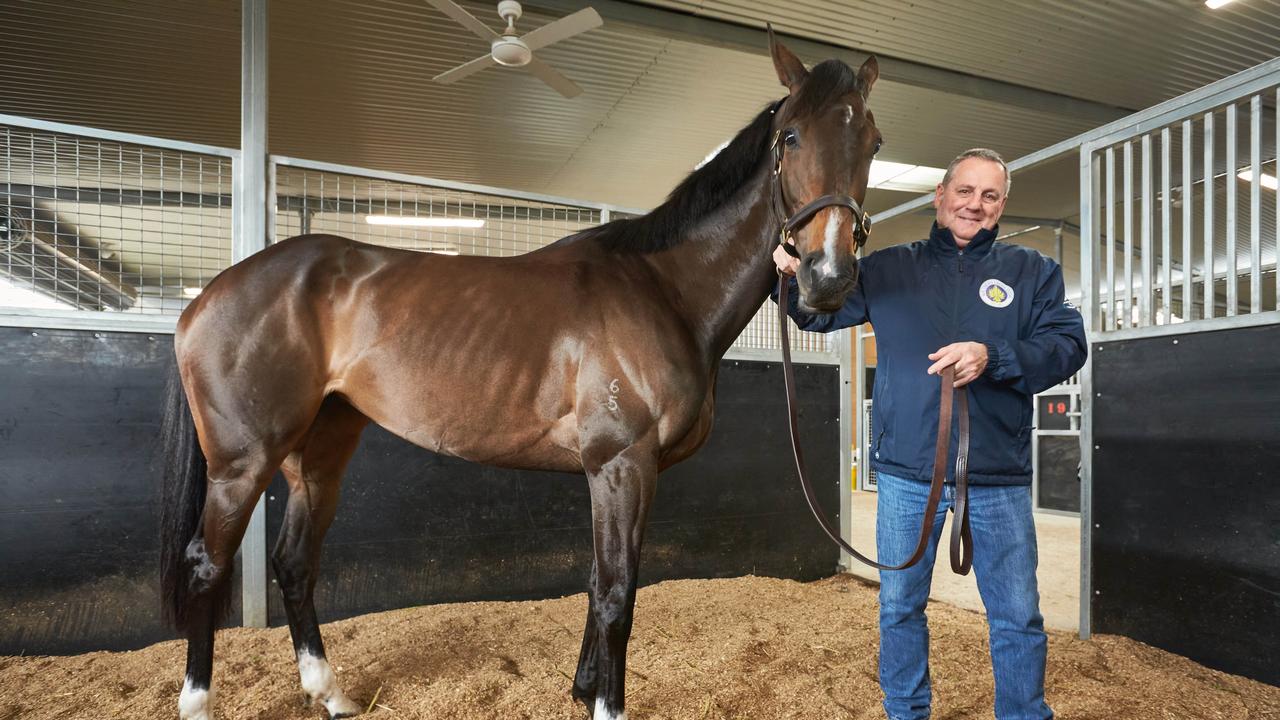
1156,281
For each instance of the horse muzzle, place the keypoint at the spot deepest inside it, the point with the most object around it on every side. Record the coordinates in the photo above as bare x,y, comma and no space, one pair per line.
825,283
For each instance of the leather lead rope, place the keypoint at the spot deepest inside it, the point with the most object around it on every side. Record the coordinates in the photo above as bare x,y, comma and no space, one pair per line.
961,539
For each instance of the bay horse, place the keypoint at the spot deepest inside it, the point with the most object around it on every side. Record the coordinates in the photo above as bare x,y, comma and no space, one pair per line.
596,354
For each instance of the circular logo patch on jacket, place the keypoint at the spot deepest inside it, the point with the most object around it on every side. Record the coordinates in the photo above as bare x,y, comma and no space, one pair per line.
996,294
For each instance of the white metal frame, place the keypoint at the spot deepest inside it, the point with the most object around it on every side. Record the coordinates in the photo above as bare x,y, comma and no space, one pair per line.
87,319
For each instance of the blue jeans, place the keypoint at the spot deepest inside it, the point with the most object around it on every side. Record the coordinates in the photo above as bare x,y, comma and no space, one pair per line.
1004,561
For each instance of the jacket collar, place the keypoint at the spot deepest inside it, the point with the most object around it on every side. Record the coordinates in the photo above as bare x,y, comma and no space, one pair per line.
942,242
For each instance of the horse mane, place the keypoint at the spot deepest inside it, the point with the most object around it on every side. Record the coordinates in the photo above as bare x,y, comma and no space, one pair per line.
701,192
713,184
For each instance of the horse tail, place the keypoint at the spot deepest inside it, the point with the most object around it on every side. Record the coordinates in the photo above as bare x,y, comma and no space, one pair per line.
184,482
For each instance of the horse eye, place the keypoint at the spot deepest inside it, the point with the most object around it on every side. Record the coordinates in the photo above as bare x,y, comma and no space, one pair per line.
877,150
790,137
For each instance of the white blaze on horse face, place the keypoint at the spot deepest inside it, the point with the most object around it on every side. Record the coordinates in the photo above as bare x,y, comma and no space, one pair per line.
194,704
601,713
848,114
321,684
829,238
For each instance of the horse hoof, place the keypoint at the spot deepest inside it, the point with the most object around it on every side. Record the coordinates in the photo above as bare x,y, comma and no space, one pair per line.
342,707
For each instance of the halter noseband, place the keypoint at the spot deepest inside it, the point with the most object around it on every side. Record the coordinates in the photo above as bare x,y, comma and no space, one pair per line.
861,228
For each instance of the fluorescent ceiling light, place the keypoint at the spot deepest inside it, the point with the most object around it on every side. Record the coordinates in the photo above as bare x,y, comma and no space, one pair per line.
1215,4
884,175
440,250
1268,181
191,291
903,177
411,221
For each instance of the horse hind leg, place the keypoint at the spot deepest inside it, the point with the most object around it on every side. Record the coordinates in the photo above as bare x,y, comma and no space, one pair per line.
314,473
230,498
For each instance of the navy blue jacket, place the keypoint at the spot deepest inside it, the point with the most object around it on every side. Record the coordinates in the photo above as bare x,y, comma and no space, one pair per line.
928,294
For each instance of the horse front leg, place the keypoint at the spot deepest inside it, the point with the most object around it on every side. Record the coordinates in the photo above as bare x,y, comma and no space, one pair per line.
621,491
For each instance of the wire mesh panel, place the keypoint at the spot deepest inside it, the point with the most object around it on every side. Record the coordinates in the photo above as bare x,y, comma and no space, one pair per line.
109,226
419,214
419,217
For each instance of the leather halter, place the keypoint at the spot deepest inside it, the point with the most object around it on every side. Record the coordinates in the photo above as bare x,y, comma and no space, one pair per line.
961,539
862,219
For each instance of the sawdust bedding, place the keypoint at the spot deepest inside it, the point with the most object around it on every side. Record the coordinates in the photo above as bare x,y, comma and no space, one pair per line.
701,649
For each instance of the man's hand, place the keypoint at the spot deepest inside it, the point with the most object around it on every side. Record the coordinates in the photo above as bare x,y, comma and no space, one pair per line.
970,359
786,264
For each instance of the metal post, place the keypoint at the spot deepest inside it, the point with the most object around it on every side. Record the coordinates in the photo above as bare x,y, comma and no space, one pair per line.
1207,269
1188,301
1145,318
250,236
843,340
1089,216
1255,204
1230,180
1166,228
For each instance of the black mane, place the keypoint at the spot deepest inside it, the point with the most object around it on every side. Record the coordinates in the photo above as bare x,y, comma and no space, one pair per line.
704,190
711,185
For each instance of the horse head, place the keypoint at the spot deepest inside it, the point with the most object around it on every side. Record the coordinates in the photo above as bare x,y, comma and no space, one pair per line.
824,140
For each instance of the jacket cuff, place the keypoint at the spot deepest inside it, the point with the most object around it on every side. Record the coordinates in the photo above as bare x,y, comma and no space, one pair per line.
994,365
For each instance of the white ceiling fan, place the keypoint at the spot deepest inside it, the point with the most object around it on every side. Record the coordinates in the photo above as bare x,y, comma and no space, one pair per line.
512,50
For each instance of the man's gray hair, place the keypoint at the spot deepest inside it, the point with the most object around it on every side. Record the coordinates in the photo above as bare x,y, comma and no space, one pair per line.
985,154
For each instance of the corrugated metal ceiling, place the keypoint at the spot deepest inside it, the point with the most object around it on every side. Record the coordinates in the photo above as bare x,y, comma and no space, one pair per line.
350,80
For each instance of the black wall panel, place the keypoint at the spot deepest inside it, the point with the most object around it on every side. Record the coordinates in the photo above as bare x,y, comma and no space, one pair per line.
1186,496
1059,472
79,419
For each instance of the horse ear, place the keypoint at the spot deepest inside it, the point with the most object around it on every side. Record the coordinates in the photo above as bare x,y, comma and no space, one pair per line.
791,71
867,75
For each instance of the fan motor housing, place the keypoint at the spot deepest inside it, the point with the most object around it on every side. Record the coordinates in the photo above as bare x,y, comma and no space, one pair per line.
511,51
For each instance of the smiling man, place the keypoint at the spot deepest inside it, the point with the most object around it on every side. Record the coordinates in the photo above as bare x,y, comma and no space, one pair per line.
996,312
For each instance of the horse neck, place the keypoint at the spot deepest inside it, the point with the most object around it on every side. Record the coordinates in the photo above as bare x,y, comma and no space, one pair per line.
719,273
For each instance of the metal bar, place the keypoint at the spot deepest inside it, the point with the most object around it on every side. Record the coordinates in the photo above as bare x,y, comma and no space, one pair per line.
1277,194
1255,79
1166,232
1188,303
1206,269
251,212
1089,215
444,184
87,320
1112,314
1255,204
1126,312
843,340
1145,294
1269,317
121,137
1230,181
1087,400
809,357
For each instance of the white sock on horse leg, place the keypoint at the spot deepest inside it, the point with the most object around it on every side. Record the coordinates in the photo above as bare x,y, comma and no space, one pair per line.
321,684
603,714
195,704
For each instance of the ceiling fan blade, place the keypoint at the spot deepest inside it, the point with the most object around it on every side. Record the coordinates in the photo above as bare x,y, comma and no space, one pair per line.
465,69
550,76
463,18
567,26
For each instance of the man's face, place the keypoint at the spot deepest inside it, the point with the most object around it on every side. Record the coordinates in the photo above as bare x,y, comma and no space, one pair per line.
973,200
